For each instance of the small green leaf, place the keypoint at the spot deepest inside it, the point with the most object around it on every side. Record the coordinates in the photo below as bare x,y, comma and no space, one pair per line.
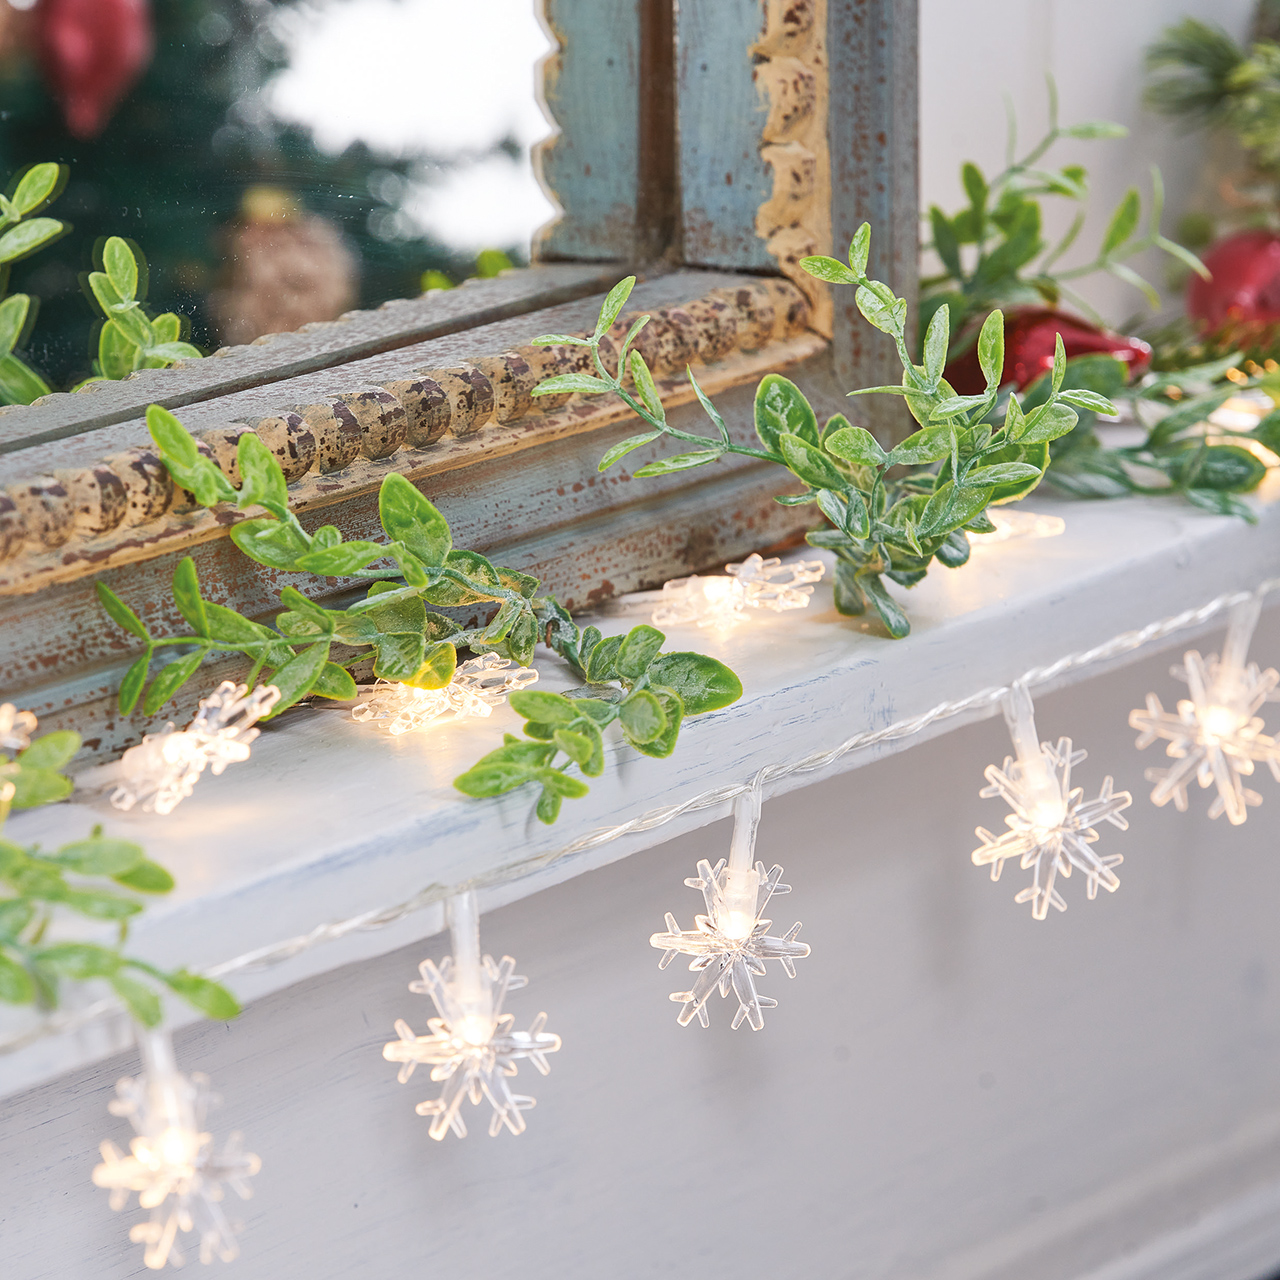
546,708
146,877
548,807
780,406
889,315
829,269
702,683
642,716
13,317
664,743
99,856
132,684
343,560
809,463
975,185
624,447
15,915
35,787
335,682
275,543
860,250
568,383
120,612
936,341
638,649
99,906
885,605
1048,422
854,444
991,349
601,665
613,304
262,481
20,384
211,998
1124,222
186,595
141,1001
78,960
27,237
931,444
1000,473
169,680
39,185
295,678
561,783
646,387
493,779
121,267
15,982
559,340
117,356
1089,400
576,746
678,462
1096,129
52,751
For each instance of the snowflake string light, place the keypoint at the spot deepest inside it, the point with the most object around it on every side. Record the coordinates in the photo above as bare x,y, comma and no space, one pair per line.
472,1047
1052,826
478,686
1215,738
172,1163
162,770
731,943
722,602
16,728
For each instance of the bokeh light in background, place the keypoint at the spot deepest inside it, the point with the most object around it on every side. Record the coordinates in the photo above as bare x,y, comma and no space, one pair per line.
451,83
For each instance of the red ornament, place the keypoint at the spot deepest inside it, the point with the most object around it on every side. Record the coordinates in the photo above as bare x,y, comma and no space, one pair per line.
92,52
1029,341
1246,281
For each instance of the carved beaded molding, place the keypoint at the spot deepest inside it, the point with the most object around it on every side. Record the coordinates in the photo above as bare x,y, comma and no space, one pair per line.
74,522
795,221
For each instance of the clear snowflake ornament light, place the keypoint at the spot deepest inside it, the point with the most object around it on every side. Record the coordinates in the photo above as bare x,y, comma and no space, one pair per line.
722,603
173,1163
1052,828
731,943
163,769
16,728
478,686
472,1047
1215,738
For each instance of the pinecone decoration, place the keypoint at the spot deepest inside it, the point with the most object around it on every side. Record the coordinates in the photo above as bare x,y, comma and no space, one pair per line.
285,268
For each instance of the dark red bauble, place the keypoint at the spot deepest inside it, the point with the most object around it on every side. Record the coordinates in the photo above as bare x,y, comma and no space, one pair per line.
91,53
1029,340
1245,284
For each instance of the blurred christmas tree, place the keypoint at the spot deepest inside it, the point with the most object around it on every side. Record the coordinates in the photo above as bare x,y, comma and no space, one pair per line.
172,167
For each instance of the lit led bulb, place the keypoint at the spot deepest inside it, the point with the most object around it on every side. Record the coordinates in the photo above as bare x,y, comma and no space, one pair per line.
478,686
1214,737
172,1163
721,603
471,1047
163,769
731,943
1051,826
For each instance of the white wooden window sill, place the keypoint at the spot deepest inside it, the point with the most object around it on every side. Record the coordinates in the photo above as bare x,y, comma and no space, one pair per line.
332,818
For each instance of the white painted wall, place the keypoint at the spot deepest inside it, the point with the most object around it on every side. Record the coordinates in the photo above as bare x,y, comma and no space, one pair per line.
948,1090
975,51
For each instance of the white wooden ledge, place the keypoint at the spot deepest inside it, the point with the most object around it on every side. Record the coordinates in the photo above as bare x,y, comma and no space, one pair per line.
332,818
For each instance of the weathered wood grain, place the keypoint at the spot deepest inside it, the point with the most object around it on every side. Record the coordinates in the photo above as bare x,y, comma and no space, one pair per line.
590,88
285,355
872,47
